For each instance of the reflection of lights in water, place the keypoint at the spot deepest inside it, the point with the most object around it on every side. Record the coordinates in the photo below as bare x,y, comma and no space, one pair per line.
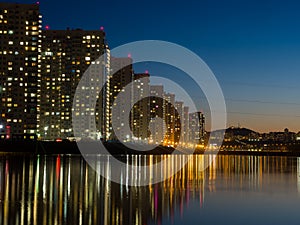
69,179
298,174
107,202
45,180
36,192
23,196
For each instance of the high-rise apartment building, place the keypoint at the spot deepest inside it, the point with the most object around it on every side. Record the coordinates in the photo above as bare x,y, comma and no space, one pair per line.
196,128
157,124
180,120
140,113
121,75
170,119
185,128
20,75
65,57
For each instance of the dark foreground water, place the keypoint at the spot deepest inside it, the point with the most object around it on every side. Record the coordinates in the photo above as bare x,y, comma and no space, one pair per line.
233,190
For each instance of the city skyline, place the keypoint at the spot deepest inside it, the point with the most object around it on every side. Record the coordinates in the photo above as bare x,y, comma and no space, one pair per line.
261,98
50,79
253,52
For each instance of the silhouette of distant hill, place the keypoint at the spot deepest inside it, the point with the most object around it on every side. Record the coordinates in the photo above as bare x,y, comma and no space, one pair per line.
241,131
237,131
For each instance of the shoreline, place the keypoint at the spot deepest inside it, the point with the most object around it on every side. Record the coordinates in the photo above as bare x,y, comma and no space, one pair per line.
49,148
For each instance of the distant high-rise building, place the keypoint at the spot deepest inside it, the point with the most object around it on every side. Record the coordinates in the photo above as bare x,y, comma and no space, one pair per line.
66,55
157,125
140,113
180,120
196,127
20,75
169,112
121,75
185,128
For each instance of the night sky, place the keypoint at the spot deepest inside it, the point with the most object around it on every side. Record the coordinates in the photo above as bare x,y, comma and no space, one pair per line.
253,47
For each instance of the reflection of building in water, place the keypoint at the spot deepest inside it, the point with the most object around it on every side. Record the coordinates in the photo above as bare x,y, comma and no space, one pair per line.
65,190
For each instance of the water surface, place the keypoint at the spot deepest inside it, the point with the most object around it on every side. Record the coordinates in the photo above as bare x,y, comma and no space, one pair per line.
233,190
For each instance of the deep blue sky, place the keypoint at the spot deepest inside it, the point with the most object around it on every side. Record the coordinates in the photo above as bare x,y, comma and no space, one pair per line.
253,47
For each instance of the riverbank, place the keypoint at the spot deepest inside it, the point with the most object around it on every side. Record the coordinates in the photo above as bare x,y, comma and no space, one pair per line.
114,148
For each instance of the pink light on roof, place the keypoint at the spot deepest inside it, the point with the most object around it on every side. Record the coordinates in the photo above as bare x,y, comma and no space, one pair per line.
146,71
129,55
37,3
101,28
47,27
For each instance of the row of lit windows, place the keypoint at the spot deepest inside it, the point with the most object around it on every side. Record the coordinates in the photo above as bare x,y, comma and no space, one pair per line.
14,120
88,37
6,32
11,105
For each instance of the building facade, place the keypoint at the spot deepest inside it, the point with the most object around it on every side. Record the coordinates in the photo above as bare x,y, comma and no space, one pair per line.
20,75
196,128
66,55
140,113
157,123
121,74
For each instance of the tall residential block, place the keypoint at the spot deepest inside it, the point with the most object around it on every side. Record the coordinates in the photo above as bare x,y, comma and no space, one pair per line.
140,113
157,124
121,75
196,128
20,74
65,57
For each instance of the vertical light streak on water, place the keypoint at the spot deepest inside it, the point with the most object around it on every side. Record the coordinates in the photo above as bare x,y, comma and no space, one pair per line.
151,170
97,191
106,195
45,179
81,194
36,191
45,213
30,190
249,170
6,194
51,193
66,191
298,175
61,178
69,179
23,195
87,191
121,182
140,164
127,174
145,168
136,170
161,171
